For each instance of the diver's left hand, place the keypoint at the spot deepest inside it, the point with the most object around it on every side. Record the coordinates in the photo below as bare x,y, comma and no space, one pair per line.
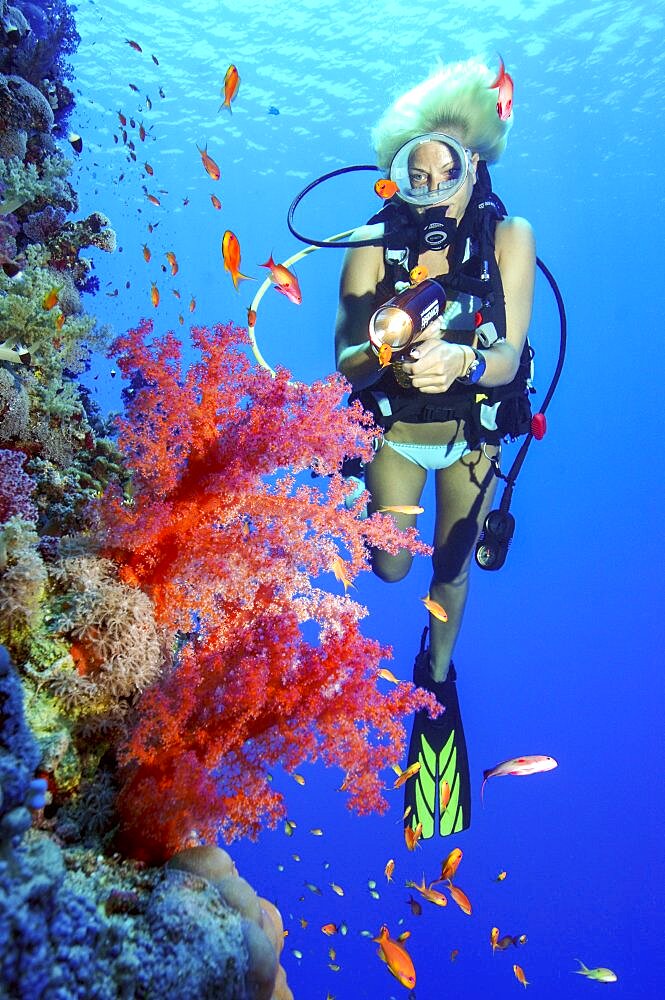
435,365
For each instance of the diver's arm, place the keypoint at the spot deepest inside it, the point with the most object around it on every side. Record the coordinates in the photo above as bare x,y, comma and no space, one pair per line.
355,358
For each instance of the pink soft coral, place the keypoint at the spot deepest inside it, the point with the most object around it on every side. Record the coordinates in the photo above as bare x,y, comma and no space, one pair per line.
219,534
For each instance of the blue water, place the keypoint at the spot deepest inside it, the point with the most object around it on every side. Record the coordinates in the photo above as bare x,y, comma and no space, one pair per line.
561,652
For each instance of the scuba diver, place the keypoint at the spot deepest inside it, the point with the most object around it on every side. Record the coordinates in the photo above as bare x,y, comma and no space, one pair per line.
450,389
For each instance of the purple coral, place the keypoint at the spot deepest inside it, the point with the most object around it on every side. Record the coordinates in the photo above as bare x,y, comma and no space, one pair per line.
39,226
16,487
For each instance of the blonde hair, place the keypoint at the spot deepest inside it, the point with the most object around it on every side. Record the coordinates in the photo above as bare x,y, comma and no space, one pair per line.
456,96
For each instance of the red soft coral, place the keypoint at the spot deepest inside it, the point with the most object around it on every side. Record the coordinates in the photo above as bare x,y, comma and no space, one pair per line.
227,543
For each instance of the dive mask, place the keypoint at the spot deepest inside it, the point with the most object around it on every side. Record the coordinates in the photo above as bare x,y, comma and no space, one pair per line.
430,169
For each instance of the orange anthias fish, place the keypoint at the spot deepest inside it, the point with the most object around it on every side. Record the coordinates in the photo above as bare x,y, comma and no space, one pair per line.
449,866
134,45
460,898
146,253
401,508
519,975
494,937
251,317
405,775
428,893
387,675
231,257
230,88
389,869
339,568
385,354
192,305
215,201
444,795
170,256
153,200
418,274
435,609
50,299
412,835
519,765
285,280
396,958
329,929
211,167
385,188
148,169
154,295
504,104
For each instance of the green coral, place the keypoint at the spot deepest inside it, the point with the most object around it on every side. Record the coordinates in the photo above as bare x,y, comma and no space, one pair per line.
25,185
24,321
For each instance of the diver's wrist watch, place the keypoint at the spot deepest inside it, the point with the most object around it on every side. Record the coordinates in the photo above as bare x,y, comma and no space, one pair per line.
475,371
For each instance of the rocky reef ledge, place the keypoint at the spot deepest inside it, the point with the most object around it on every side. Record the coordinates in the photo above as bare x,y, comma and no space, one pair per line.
75,923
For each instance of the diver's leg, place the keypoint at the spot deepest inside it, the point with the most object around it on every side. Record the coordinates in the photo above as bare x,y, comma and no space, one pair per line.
393,480
464,494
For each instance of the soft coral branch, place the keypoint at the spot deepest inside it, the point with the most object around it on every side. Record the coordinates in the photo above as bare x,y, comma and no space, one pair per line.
223,531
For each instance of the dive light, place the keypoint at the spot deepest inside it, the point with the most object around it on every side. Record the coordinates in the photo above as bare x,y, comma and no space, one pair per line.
401,320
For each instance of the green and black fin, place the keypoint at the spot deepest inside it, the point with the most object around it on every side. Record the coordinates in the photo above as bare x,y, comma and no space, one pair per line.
439,745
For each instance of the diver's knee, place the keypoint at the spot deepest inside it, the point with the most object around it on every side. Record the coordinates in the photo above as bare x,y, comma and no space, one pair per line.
392,570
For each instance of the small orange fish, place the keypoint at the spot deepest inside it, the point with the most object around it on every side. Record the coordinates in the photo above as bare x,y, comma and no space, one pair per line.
251,317
389,869
329,929
181,319
460,898
428,893
211,167
146,253
50,299
454,953
134,45
231,257
385,354
444,795
142,132
338,566
401,508
500,877
215,200
123,120
504,104
404,776
170,256
230,88
154,295
316,831
396,958
519,975
387,675
494,937
435,609
148,169
298,778
153,200
192,305
60,322
337,889
418,274
449,866
385,188
285,280
412,835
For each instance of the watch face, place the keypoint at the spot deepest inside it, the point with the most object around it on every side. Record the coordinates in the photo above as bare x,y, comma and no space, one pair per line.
478,369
